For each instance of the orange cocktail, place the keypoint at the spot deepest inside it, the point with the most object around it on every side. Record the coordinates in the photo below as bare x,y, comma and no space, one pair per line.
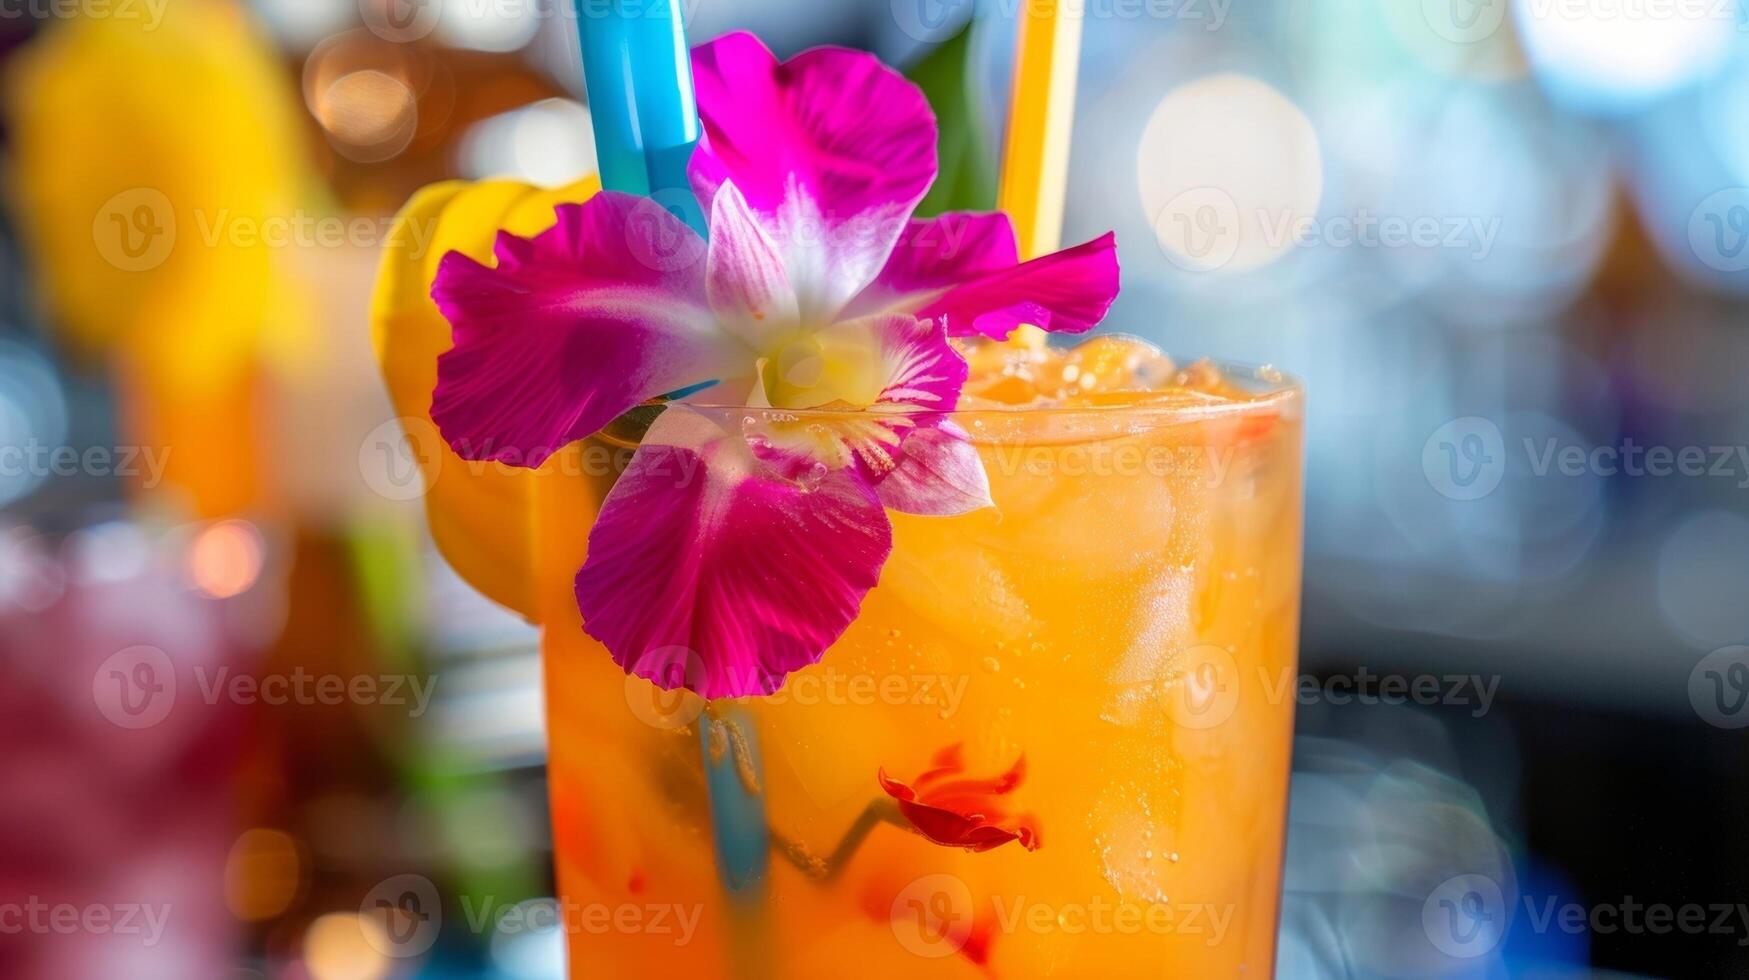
1123,620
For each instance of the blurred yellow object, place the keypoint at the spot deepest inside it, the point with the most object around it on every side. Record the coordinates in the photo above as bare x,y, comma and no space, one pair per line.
1034,182
153,161
1041,114
156,163
482,514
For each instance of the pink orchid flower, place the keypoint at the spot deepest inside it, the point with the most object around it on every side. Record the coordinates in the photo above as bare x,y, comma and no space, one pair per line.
816,293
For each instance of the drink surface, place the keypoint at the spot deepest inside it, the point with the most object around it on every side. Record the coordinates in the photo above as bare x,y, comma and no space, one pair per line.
1124,619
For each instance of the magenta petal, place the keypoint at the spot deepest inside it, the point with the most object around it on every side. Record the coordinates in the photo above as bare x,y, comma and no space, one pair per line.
854,132
573,327
748,286
832,150
939,475
935,255
702,547
922,369
1068,292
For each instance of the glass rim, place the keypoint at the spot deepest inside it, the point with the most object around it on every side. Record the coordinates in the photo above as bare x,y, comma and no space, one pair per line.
1268,386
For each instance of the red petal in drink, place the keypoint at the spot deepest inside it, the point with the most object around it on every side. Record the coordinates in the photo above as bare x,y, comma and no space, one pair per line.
954,811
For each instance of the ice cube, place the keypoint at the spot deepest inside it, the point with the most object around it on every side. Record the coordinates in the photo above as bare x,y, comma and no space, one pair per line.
1009,374
1115,363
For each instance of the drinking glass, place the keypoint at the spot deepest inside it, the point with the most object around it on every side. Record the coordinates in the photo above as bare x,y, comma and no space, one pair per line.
1106,658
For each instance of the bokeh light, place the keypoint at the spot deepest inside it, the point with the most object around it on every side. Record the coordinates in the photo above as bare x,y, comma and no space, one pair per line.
300,24
1701,570
263,874
346,946
531,953
225,559
549,143
1227,167
503,26
1613,57
370,115
364,95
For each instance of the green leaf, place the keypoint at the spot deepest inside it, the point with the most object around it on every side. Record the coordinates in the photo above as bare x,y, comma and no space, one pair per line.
968,167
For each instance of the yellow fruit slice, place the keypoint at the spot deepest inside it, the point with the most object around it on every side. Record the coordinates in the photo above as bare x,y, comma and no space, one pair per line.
481,514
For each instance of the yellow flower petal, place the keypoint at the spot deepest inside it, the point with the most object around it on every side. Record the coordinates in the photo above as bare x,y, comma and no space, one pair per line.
482,514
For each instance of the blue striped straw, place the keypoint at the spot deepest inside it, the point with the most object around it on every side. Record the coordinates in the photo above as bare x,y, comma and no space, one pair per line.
638,72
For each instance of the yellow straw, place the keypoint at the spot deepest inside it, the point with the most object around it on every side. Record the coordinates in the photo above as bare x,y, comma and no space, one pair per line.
1035,164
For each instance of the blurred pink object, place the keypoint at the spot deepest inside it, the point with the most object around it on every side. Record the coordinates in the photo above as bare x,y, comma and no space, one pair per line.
115,815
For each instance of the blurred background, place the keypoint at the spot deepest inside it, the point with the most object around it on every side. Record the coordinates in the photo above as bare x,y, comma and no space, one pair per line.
1504,242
